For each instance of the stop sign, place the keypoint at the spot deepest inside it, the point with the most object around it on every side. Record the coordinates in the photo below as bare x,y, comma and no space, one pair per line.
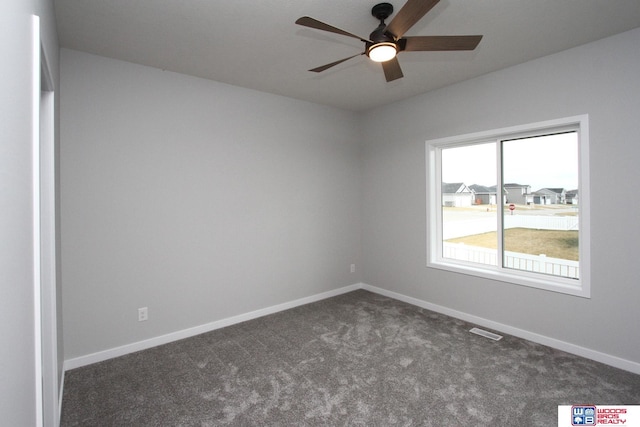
512,207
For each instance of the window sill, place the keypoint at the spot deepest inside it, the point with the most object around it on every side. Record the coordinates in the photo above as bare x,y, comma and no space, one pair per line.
533,280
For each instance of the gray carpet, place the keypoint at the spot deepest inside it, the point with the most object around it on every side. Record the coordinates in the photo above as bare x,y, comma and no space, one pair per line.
359,359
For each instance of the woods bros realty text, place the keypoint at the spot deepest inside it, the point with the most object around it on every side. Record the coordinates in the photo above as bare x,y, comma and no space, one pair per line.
611,416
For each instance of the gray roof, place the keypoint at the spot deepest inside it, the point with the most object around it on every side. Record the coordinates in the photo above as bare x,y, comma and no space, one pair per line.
451,187
545,191
482,189
555,190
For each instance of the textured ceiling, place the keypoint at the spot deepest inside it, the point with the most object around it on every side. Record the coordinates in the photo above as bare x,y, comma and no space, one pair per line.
256,44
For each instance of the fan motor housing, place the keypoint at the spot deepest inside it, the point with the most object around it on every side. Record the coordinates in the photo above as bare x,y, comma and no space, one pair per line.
380,38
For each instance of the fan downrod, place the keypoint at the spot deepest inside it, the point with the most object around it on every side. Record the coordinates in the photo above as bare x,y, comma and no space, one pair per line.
382,11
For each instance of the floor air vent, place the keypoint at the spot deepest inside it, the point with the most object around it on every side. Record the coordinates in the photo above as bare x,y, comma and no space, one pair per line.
486,334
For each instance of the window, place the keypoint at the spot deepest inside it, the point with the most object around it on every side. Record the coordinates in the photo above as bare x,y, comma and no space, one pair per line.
513,205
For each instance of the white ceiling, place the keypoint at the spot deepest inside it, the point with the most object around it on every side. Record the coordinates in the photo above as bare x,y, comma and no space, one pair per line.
255,43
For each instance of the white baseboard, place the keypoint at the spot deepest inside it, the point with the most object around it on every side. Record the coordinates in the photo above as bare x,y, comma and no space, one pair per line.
197,330
587,353
60,394
186,333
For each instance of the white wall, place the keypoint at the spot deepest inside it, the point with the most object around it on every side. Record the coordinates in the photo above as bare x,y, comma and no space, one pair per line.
18,404
599,79
197,200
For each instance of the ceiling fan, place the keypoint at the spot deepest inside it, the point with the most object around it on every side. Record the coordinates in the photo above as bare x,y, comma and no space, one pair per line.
386,41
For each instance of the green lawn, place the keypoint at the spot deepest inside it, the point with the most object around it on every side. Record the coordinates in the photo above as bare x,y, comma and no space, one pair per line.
556,244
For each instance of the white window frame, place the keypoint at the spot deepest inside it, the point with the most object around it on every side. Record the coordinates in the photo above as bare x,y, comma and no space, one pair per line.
578,287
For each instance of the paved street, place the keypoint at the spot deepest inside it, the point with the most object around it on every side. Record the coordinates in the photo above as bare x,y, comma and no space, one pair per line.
480,211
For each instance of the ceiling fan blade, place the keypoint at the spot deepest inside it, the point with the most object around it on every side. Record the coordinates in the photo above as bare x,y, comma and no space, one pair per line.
392,70
307,21
433,43
327,66
411,12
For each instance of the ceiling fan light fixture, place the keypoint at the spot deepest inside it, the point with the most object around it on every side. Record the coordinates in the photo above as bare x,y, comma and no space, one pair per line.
382,52
387,41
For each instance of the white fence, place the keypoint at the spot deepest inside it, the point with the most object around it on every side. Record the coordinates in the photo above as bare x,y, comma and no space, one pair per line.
517,261
542,222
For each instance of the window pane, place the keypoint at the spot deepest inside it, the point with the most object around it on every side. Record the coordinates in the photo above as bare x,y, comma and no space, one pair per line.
469,203
540,176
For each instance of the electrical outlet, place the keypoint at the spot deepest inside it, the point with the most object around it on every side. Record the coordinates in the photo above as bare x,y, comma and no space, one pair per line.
353,268
143,314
